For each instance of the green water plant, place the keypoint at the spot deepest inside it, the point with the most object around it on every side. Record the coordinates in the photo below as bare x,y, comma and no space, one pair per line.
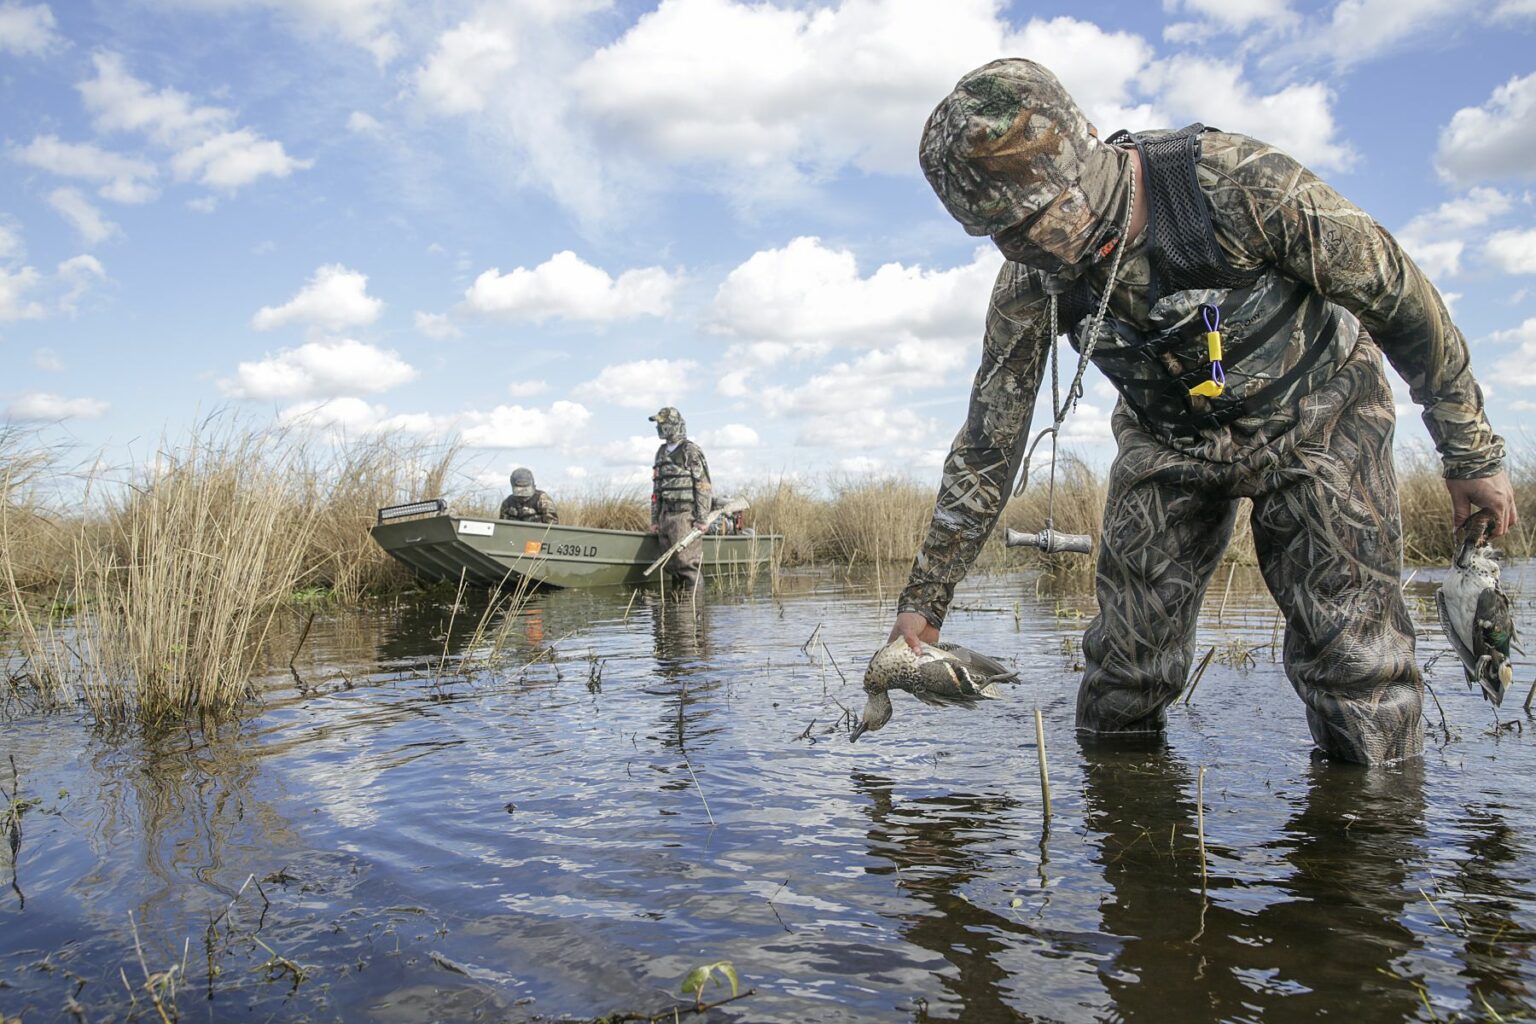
695,980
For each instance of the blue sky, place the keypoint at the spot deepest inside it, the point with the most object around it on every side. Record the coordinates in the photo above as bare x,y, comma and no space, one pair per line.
529,223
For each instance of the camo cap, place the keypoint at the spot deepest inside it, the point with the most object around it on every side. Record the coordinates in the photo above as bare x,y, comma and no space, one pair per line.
667,414
522,476
1009,145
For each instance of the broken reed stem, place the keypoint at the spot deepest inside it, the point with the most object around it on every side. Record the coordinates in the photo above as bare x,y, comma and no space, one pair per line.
1045,778
1200,821
1436,909
453,613
1530,695
698,787
632,595
302,637
1226,594
1194,680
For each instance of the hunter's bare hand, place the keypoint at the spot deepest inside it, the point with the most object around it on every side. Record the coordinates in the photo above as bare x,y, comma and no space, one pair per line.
914,629
1494,493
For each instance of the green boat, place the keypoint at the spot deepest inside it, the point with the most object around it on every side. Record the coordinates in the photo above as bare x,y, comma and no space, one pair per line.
439,546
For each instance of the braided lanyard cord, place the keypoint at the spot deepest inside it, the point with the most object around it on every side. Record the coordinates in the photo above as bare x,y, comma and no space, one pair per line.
1062,409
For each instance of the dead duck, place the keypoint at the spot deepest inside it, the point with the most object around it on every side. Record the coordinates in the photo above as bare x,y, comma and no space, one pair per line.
943,674
1474,611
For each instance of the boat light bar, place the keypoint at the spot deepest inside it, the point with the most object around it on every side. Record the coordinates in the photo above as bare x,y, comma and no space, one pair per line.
431,507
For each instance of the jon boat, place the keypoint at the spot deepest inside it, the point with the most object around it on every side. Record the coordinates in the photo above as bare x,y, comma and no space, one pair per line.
439,546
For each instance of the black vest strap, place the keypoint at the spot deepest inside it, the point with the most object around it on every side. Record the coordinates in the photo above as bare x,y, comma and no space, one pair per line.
1181,231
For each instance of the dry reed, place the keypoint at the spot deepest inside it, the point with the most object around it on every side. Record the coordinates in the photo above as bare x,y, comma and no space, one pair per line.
346,487
170,584
607,509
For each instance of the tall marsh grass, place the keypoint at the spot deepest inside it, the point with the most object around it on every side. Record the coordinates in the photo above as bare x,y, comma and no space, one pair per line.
159,598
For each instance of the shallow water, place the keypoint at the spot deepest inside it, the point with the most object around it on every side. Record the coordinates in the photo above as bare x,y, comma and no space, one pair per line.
534,841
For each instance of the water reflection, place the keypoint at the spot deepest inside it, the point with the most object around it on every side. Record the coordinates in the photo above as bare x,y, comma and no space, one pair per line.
1324,935
684,682
936,846
1482,896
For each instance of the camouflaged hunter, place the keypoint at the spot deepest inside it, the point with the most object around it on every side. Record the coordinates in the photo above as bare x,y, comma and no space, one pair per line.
681,494
1288,404
526,503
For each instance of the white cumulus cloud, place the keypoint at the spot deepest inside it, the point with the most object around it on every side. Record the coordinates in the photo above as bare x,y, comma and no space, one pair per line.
320,369
1495,140
1437,239
732,435
777,87
1234,15
466,68
76,276
231,160
11,245
123,179
362,123
1298,118
516,426
526,388
351,416
642,384
206,144
82,215
1518,368
363,23
1514,251
42,406
436,326
567,287
27,29
335,298
15,286
808,292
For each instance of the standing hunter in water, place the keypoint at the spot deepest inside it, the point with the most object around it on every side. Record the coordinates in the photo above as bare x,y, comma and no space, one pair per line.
1240,307
681,494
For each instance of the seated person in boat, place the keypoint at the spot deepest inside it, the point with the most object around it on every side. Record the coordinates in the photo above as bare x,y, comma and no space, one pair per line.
727,524
526,503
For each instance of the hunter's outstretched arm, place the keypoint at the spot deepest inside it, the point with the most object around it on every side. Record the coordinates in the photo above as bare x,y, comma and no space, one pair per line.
979,470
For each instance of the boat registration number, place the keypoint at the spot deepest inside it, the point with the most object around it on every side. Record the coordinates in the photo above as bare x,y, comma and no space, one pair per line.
534,547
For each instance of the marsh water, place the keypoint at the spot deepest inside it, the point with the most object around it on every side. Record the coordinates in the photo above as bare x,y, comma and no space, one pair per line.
624,789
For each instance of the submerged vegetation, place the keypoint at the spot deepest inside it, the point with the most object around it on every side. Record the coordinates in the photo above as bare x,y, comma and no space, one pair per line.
148,594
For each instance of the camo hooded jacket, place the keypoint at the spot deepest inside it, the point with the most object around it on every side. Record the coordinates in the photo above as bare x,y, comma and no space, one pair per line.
1272,218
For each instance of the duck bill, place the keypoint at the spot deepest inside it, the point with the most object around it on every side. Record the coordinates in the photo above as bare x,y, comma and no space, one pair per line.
859,729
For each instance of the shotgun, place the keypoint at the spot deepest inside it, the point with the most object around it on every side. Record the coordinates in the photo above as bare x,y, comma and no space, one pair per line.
732,506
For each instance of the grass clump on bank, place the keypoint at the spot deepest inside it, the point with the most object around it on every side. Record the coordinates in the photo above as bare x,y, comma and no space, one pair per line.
163,585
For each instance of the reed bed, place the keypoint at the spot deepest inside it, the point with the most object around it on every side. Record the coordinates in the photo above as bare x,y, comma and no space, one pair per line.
155,605
607,509
347,486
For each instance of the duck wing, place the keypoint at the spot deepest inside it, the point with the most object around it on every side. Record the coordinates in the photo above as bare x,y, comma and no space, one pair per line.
989,670
1453,633
1493,628
947,682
